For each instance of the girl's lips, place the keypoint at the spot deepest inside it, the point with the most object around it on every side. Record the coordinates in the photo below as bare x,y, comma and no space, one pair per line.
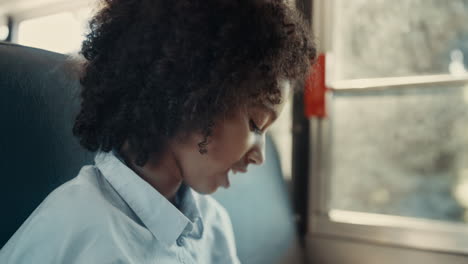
244,170
226,182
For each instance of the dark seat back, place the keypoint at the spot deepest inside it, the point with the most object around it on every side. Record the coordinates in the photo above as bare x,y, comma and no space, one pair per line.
38,101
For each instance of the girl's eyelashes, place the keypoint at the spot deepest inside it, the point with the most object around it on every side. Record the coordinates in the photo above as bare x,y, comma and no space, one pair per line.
255,128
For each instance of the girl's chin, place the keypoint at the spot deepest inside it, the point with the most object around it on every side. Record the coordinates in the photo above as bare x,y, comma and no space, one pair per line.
206,189
221,180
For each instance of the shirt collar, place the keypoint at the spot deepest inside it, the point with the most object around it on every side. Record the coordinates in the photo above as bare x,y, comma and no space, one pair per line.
159,215
187,201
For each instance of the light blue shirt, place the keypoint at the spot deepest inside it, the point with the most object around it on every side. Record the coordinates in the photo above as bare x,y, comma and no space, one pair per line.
108,214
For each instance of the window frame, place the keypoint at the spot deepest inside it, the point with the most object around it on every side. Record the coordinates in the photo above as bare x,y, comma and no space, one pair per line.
390,230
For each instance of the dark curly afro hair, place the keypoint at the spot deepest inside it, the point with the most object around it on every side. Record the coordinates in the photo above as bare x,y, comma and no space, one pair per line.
155,68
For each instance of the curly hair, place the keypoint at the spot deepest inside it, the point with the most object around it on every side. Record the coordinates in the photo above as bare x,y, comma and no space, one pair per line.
155,68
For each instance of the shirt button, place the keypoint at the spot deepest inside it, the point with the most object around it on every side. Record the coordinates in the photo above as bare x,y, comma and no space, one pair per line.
180,241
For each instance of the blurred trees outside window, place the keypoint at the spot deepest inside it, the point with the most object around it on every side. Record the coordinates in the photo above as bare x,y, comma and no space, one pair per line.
379,38
400,151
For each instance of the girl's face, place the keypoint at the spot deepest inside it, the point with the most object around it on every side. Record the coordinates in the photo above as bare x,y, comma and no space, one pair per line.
237,141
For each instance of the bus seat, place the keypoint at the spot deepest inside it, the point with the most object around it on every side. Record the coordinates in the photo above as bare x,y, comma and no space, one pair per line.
38,102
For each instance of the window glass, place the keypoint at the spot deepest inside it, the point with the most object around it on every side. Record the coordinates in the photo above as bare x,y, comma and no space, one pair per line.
401,151
61,32
379,38
4,31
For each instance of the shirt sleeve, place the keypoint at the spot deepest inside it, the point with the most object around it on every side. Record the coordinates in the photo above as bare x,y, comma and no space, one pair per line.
39,240
61,230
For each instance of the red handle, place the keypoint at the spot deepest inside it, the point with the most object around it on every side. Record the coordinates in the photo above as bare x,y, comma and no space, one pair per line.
315,89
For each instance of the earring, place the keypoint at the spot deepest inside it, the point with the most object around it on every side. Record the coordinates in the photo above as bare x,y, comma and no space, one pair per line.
202,147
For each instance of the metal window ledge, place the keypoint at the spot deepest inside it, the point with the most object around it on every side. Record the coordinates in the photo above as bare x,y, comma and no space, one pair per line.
379,83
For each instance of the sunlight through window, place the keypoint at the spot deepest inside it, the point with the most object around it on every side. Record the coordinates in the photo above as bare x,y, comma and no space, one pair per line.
61,32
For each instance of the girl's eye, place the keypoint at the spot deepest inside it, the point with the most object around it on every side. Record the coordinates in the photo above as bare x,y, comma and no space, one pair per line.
255,128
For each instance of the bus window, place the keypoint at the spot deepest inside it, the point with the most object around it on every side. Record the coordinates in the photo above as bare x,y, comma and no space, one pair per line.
375,39
393,164
4,32
61,32
402,152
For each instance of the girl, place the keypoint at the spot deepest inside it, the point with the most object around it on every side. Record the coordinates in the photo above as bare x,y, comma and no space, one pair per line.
176,94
